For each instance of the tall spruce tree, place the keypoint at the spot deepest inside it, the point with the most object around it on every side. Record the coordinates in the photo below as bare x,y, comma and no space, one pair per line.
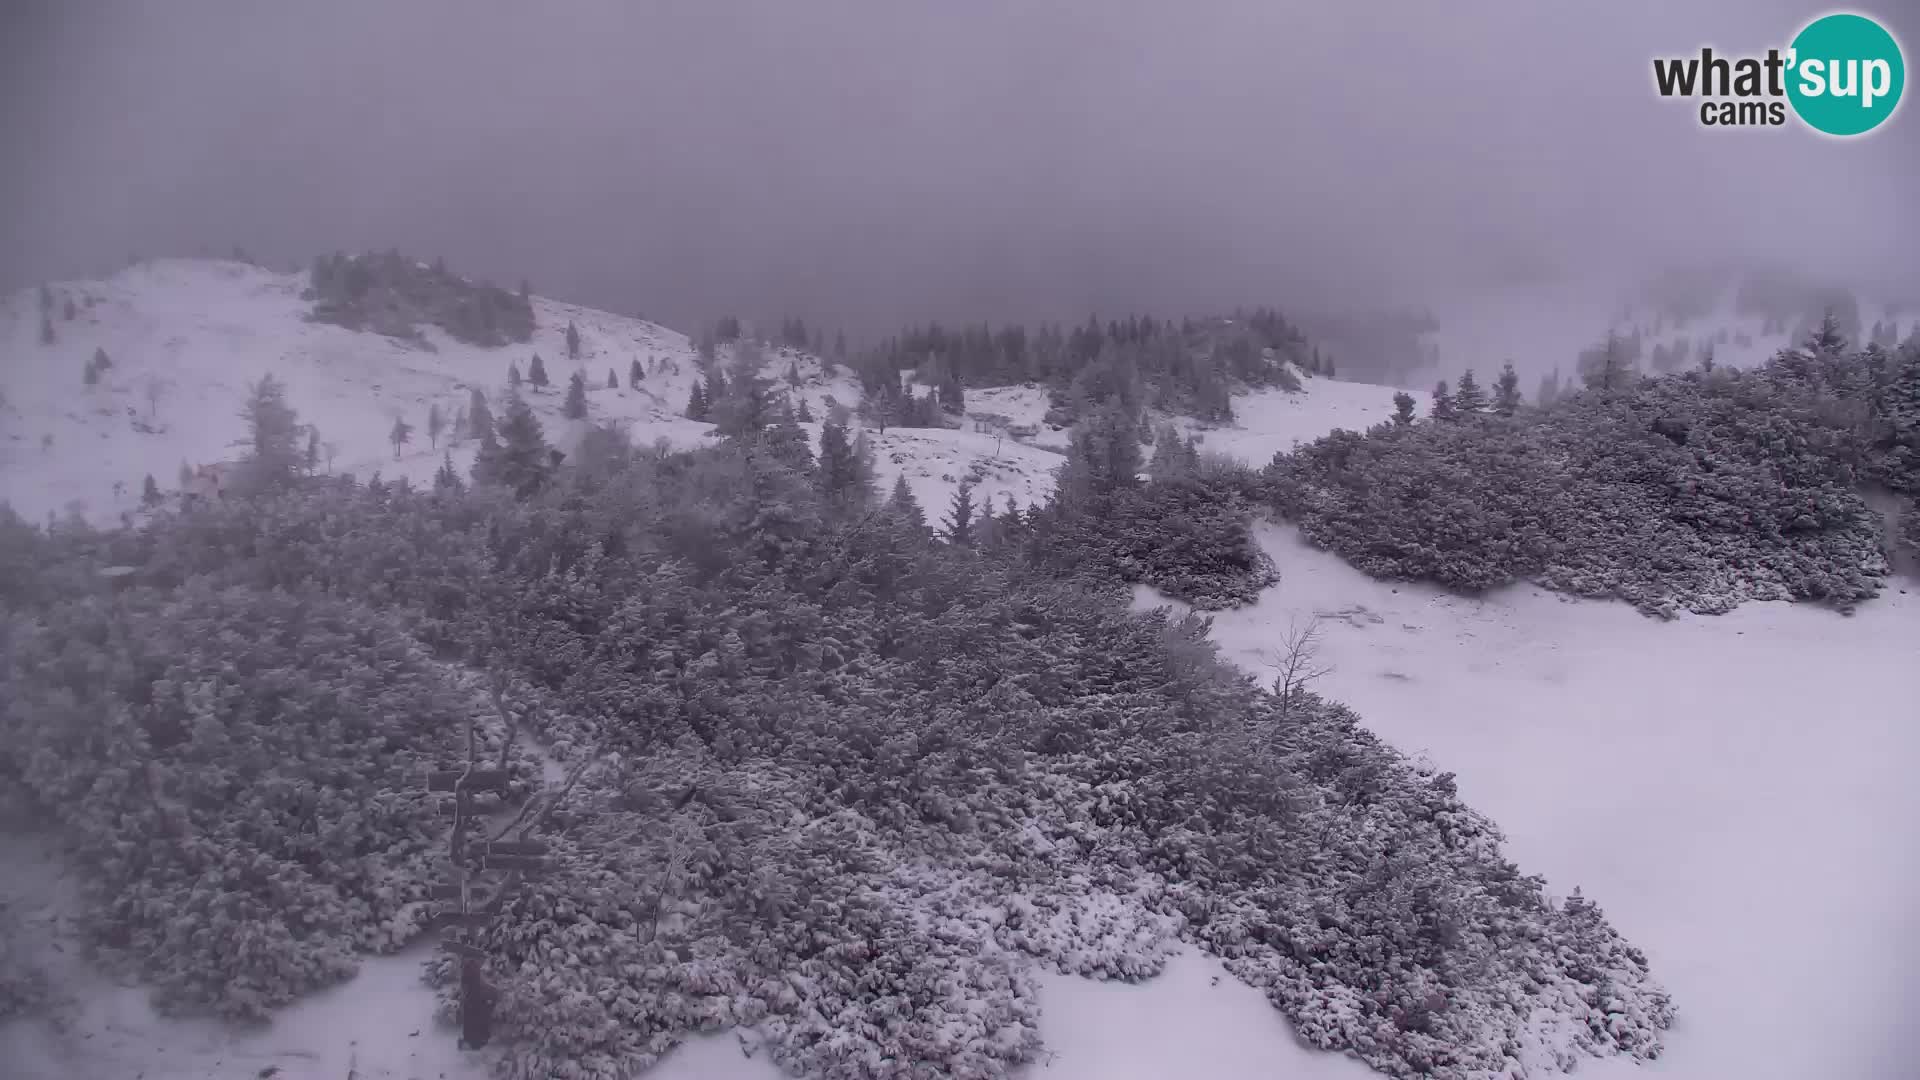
575,407
958,528
537,373
479,416
1506,391
273,435
1403,405
1468,398
1442,402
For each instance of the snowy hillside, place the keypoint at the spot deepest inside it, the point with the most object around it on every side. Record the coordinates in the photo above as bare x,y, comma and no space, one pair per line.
185,338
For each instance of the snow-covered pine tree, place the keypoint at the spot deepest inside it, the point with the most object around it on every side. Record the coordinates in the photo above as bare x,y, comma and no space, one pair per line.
537,372
436,424
1403,406
1442,408
1468,398
273,433
575,407
612,382
1506,391
635,373
573,341
479,416
958,527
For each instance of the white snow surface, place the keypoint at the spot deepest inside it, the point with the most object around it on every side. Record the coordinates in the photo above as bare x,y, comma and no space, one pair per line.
1735,792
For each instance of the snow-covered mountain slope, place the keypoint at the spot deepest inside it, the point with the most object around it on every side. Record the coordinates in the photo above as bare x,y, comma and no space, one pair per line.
195,333
187,336
1731,790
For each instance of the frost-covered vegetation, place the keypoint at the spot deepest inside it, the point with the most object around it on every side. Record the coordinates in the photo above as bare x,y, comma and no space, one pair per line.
1693,491
848,780
1192,367
394,295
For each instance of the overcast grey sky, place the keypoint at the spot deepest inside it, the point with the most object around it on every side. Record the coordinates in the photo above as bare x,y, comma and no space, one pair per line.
871,162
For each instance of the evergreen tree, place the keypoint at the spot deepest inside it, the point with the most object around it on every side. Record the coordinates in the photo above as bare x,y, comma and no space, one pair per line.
793,373
1442,402
1506,391
573,341
612,383
1549,390
436,424
902,503
513,375
446,479
1103,454
312,458
959,524
150,492
91,375
1608,367
537,373
1403,404
184,479
788,443
46,330
1827,339
1468,398
521,460
479,417
745,407
806,412
273,432
400,434
839,474
635,373
697,408
576,403
100,359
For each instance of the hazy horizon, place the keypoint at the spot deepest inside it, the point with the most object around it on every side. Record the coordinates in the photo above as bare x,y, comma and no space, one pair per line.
866,164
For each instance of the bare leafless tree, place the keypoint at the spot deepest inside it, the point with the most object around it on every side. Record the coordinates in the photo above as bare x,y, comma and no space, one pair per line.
1298,658
154,388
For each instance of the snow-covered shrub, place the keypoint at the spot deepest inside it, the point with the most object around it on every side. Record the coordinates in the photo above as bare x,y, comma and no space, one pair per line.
239,776
851,783
1695,491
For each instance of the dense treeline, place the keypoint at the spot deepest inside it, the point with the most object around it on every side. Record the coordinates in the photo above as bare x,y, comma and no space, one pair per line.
394,295
1691,491
1190,367
847,772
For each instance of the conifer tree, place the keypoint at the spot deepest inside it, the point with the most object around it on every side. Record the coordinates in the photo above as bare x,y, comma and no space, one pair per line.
1468,398
513,375
150,492
100,358
635,373
575,407
1442,402
312,457
1403,405
91,375
788,443
521,460
273,432
1506,391
436,424
479,417
573,341
902,503
612,383
46,330
806,412
959,525
537,373
400,434
446,479
697,407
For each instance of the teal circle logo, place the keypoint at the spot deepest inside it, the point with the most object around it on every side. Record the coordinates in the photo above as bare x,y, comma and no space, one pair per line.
1845,74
